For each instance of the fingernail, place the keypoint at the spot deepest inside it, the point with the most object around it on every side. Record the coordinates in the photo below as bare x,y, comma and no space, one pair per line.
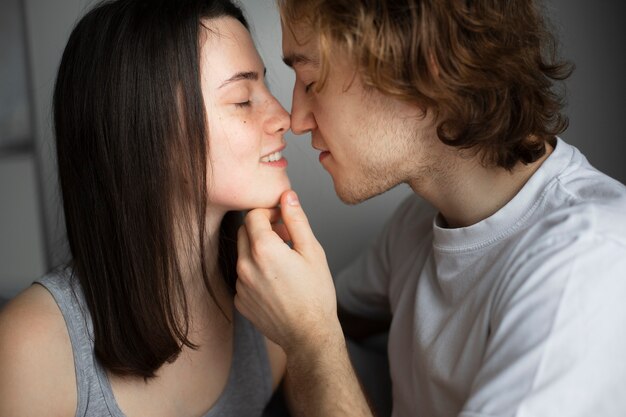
292,199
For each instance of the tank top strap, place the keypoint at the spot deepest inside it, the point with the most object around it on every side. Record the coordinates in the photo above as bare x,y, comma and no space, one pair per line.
248,388
68,294
249,385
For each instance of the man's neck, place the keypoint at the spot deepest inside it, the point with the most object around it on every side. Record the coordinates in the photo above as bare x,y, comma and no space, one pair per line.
466,192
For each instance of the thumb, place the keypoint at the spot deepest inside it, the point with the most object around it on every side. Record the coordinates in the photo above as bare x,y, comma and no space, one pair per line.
296,221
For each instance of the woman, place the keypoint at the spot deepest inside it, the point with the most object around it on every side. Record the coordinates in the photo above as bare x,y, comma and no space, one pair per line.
164,130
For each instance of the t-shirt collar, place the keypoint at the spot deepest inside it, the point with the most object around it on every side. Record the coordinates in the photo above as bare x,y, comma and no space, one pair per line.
513,215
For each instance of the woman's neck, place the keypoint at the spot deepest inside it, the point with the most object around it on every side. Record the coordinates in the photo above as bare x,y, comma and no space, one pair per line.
199,302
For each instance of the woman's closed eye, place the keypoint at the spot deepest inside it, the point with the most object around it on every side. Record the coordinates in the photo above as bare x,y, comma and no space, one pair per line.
243,104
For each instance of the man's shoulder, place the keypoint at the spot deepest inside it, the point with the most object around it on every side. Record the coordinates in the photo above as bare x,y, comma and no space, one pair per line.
578,246
595,211
35,356
571,235
579,202
578,231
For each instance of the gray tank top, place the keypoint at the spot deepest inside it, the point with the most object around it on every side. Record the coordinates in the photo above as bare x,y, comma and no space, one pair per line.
247,391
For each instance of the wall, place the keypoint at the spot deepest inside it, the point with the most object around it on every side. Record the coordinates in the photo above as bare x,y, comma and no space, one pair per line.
22,254
592,35
49,24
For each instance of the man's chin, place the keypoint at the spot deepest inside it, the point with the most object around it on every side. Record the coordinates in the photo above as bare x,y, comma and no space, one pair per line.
356,195
349,197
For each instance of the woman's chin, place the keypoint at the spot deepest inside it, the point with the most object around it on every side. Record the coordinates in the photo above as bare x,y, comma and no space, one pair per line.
271,202
270,199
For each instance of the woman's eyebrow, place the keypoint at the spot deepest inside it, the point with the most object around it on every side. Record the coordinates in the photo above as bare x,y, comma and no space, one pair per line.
244,75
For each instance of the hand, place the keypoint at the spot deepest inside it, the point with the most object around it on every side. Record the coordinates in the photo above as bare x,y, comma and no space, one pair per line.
288,293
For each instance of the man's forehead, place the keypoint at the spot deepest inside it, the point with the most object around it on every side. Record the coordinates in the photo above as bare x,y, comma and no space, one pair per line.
296,59
299,47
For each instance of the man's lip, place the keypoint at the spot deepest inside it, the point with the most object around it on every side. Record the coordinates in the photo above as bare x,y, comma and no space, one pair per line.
323,155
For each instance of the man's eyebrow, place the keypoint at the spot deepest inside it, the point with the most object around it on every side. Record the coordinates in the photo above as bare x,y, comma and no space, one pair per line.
244,75
298,59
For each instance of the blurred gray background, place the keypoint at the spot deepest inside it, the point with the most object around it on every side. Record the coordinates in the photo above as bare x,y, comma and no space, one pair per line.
34,32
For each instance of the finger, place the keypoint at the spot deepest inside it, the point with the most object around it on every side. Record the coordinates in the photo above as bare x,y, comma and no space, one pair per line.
281,230
243,244
296,221
259,221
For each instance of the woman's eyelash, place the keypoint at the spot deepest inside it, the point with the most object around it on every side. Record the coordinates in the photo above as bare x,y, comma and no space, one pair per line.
307,88
244,104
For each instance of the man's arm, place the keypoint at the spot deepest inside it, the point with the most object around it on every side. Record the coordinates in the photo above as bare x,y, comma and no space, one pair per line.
322,382
288,294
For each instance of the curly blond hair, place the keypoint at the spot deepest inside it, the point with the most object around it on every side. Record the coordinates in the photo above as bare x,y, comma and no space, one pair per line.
488,68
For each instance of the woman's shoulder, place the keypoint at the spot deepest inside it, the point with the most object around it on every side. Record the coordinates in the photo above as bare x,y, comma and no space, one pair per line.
35,357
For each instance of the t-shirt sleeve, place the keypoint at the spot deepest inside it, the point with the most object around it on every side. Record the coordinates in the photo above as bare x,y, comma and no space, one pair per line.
557,343
363,287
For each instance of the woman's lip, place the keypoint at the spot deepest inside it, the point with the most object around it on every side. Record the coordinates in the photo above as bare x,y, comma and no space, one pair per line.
323,155
281,163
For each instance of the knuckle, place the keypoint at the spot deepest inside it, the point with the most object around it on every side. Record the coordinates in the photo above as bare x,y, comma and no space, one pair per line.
312,245
319,250
260,249
251,217
299,218
241,270
244,270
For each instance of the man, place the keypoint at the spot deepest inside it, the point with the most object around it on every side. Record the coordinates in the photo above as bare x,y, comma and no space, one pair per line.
506,285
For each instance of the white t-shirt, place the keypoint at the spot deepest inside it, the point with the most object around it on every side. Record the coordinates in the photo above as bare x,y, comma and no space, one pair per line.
522,314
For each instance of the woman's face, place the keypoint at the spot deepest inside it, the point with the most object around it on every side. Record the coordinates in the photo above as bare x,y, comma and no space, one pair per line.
246,123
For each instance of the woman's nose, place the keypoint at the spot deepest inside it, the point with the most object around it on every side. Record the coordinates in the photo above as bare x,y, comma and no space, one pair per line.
279,122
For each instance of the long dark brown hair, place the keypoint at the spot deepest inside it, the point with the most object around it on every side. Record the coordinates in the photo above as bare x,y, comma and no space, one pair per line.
488,68
130,127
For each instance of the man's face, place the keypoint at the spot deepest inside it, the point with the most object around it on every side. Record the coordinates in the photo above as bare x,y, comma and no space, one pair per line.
369,142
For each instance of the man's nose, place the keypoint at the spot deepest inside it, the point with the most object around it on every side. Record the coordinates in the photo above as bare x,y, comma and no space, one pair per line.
302,117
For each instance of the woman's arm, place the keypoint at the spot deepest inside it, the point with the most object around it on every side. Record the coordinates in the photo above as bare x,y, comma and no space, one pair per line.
36,362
